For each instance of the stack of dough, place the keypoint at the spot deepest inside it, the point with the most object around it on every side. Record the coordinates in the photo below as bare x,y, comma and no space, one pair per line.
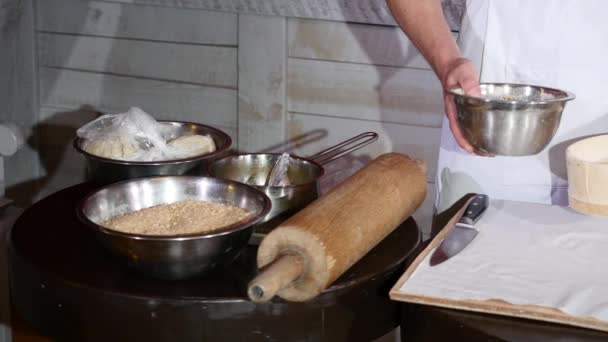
587,164
112,148
137,136
192,145
123,148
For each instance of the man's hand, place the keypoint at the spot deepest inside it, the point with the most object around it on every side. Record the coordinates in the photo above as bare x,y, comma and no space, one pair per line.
425,25
459,73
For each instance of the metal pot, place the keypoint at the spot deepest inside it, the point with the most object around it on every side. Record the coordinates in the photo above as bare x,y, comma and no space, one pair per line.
303,174
105,171
510,119
173,256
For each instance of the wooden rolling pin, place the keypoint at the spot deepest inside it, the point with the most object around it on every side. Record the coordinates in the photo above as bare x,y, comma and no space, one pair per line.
310,250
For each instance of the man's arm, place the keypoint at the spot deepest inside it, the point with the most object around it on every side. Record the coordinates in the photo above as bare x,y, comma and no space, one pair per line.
424,23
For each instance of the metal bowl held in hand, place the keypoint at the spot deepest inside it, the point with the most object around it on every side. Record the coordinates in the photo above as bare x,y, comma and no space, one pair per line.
510,119
105,171
173,256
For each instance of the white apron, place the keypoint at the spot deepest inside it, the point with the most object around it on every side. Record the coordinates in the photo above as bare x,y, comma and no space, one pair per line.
553,43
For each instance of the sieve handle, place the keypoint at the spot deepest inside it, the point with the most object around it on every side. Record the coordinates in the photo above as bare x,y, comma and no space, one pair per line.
345,147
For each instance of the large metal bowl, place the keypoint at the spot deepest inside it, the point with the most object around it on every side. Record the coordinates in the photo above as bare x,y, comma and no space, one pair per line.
510,119
105,171
175,256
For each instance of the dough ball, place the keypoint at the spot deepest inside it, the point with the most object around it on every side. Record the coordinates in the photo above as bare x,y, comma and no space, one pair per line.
112,148
192,145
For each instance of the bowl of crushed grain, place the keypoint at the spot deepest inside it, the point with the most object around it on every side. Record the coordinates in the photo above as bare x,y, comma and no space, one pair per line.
174,227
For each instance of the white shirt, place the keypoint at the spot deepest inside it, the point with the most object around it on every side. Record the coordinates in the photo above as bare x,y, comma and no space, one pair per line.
555,43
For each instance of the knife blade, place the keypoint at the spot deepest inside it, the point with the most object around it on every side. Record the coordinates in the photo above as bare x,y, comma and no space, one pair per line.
463,232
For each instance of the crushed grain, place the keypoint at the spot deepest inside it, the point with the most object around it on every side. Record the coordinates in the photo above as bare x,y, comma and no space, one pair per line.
183,217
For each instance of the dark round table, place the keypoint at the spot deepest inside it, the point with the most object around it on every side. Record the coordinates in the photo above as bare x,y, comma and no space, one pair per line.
68,287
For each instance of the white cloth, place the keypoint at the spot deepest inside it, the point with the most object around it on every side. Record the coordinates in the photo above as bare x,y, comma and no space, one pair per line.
526,254
554,43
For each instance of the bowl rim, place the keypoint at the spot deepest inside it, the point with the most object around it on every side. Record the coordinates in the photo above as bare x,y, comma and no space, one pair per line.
235,227
289,186
568,95
77,142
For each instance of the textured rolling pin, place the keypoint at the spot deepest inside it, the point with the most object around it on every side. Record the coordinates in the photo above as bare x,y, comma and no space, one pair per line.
310,250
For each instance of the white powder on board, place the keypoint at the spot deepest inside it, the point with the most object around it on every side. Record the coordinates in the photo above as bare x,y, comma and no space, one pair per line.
527,254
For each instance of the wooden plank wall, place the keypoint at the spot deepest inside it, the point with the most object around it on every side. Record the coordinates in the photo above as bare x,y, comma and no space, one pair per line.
18,103
346,78
358,11
262,82
97,56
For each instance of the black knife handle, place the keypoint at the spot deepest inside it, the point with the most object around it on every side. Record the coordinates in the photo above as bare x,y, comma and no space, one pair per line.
476,208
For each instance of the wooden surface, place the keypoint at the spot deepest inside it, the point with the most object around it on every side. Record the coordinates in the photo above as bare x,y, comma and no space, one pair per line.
422,322
340,227
345,78
65,285
102,18
487,306
418,142
587,173
365,11
262,82
18,92
62,90
428,323
366,92
99,56
276,276
152,60
588,208
353,43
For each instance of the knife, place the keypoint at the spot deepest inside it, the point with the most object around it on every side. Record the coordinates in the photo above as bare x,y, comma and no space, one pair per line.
463,232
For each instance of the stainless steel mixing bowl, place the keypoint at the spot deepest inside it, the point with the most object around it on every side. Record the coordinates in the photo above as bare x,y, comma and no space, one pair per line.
105,171
176,256
510,119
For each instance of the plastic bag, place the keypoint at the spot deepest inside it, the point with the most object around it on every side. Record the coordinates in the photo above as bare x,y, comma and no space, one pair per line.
278,174
137,136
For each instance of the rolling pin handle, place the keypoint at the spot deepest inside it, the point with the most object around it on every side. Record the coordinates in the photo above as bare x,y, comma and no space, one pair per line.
275,277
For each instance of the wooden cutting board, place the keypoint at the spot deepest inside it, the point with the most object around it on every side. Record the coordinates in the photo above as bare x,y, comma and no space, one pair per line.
560,255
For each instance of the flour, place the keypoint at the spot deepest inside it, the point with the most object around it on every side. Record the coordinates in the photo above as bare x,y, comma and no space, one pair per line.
527,254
